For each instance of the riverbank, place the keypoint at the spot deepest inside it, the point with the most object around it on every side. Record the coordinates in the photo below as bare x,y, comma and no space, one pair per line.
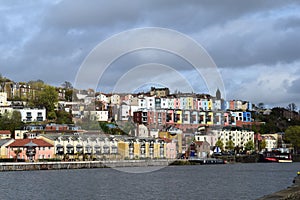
291,193
22,166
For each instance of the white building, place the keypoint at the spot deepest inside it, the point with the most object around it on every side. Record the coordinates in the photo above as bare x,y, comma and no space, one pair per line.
142,131
210,138
115,99
101,116
32,114
271,142
239,137
150,103
164,103
217,104
142,103
124,111
3,99
102,97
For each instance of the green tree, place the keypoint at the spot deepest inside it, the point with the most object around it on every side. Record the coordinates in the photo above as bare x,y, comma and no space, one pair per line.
229,145
11,121
128,127
69,95
292,135
63,117
37,85
220,144
47,98
17,152
249,146
263,144
3,79
51,115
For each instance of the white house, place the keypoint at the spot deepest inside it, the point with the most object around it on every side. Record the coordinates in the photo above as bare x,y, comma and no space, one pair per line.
32,114
211,138
150,103
271,142
115,99
3,99
143,131
239,137
142,103
101,116
102,97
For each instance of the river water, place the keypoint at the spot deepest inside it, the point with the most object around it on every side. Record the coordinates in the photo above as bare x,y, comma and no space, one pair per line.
230,181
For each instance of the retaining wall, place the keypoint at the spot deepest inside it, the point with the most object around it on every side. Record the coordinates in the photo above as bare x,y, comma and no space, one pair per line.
81,165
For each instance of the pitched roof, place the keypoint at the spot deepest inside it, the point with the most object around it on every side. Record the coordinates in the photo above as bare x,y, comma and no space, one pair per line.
3,142
23,142
167,140
4,132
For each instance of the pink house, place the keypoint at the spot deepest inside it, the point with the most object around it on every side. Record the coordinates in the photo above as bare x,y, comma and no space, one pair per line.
226,119
171,148
44,150
176,103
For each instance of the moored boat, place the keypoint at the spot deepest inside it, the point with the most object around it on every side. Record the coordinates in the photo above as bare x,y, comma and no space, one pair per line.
281,155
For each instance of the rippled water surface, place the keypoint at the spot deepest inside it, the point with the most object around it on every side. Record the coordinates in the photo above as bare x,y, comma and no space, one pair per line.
231,181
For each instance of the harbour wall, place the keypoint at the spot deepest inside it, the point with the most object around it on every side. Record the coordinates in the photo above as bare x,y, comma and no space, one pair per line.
81,165
291,193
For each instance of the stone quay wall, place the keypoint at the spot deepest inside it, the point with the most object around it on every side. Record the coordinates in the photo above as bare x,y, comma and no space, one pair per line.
81,165
291,193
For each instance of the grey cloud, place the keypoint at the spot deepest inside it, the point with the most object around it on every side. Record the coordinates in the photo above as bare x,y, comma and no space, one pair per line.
49,39
295,87
91,14
288,23
241,44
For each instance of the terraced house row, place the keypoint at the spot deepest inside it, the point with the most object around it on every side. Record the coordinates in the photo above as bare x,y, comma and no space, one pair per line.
92,147
158,107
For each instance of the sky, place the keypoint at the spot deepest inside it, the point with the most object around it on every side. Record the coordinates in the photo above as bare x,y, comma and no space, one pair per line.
254,45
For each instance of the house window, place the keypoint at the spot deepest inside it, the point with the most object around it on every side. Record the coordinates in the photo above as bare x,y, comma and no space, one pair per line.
28,117
39,117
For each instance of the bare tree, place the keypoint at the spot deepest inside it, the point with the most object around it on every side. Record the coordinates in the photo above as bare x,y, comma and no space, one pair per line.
292,107
67,85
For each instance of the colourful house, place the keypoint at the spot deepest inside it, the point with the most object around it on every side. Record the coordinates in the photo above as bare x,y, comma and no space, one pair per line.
210,118
178,117
5,134
44,150
177,103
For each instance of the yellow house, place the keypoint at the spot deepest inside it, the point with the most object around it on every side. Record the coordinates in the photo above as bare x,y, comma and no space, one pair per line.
210,118
210,104
190,103
133,148
123,149
178,116
3,144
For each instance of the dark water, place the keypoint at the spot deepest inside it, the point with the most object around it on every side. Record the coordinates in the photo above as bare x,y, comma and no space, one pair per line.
237,181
